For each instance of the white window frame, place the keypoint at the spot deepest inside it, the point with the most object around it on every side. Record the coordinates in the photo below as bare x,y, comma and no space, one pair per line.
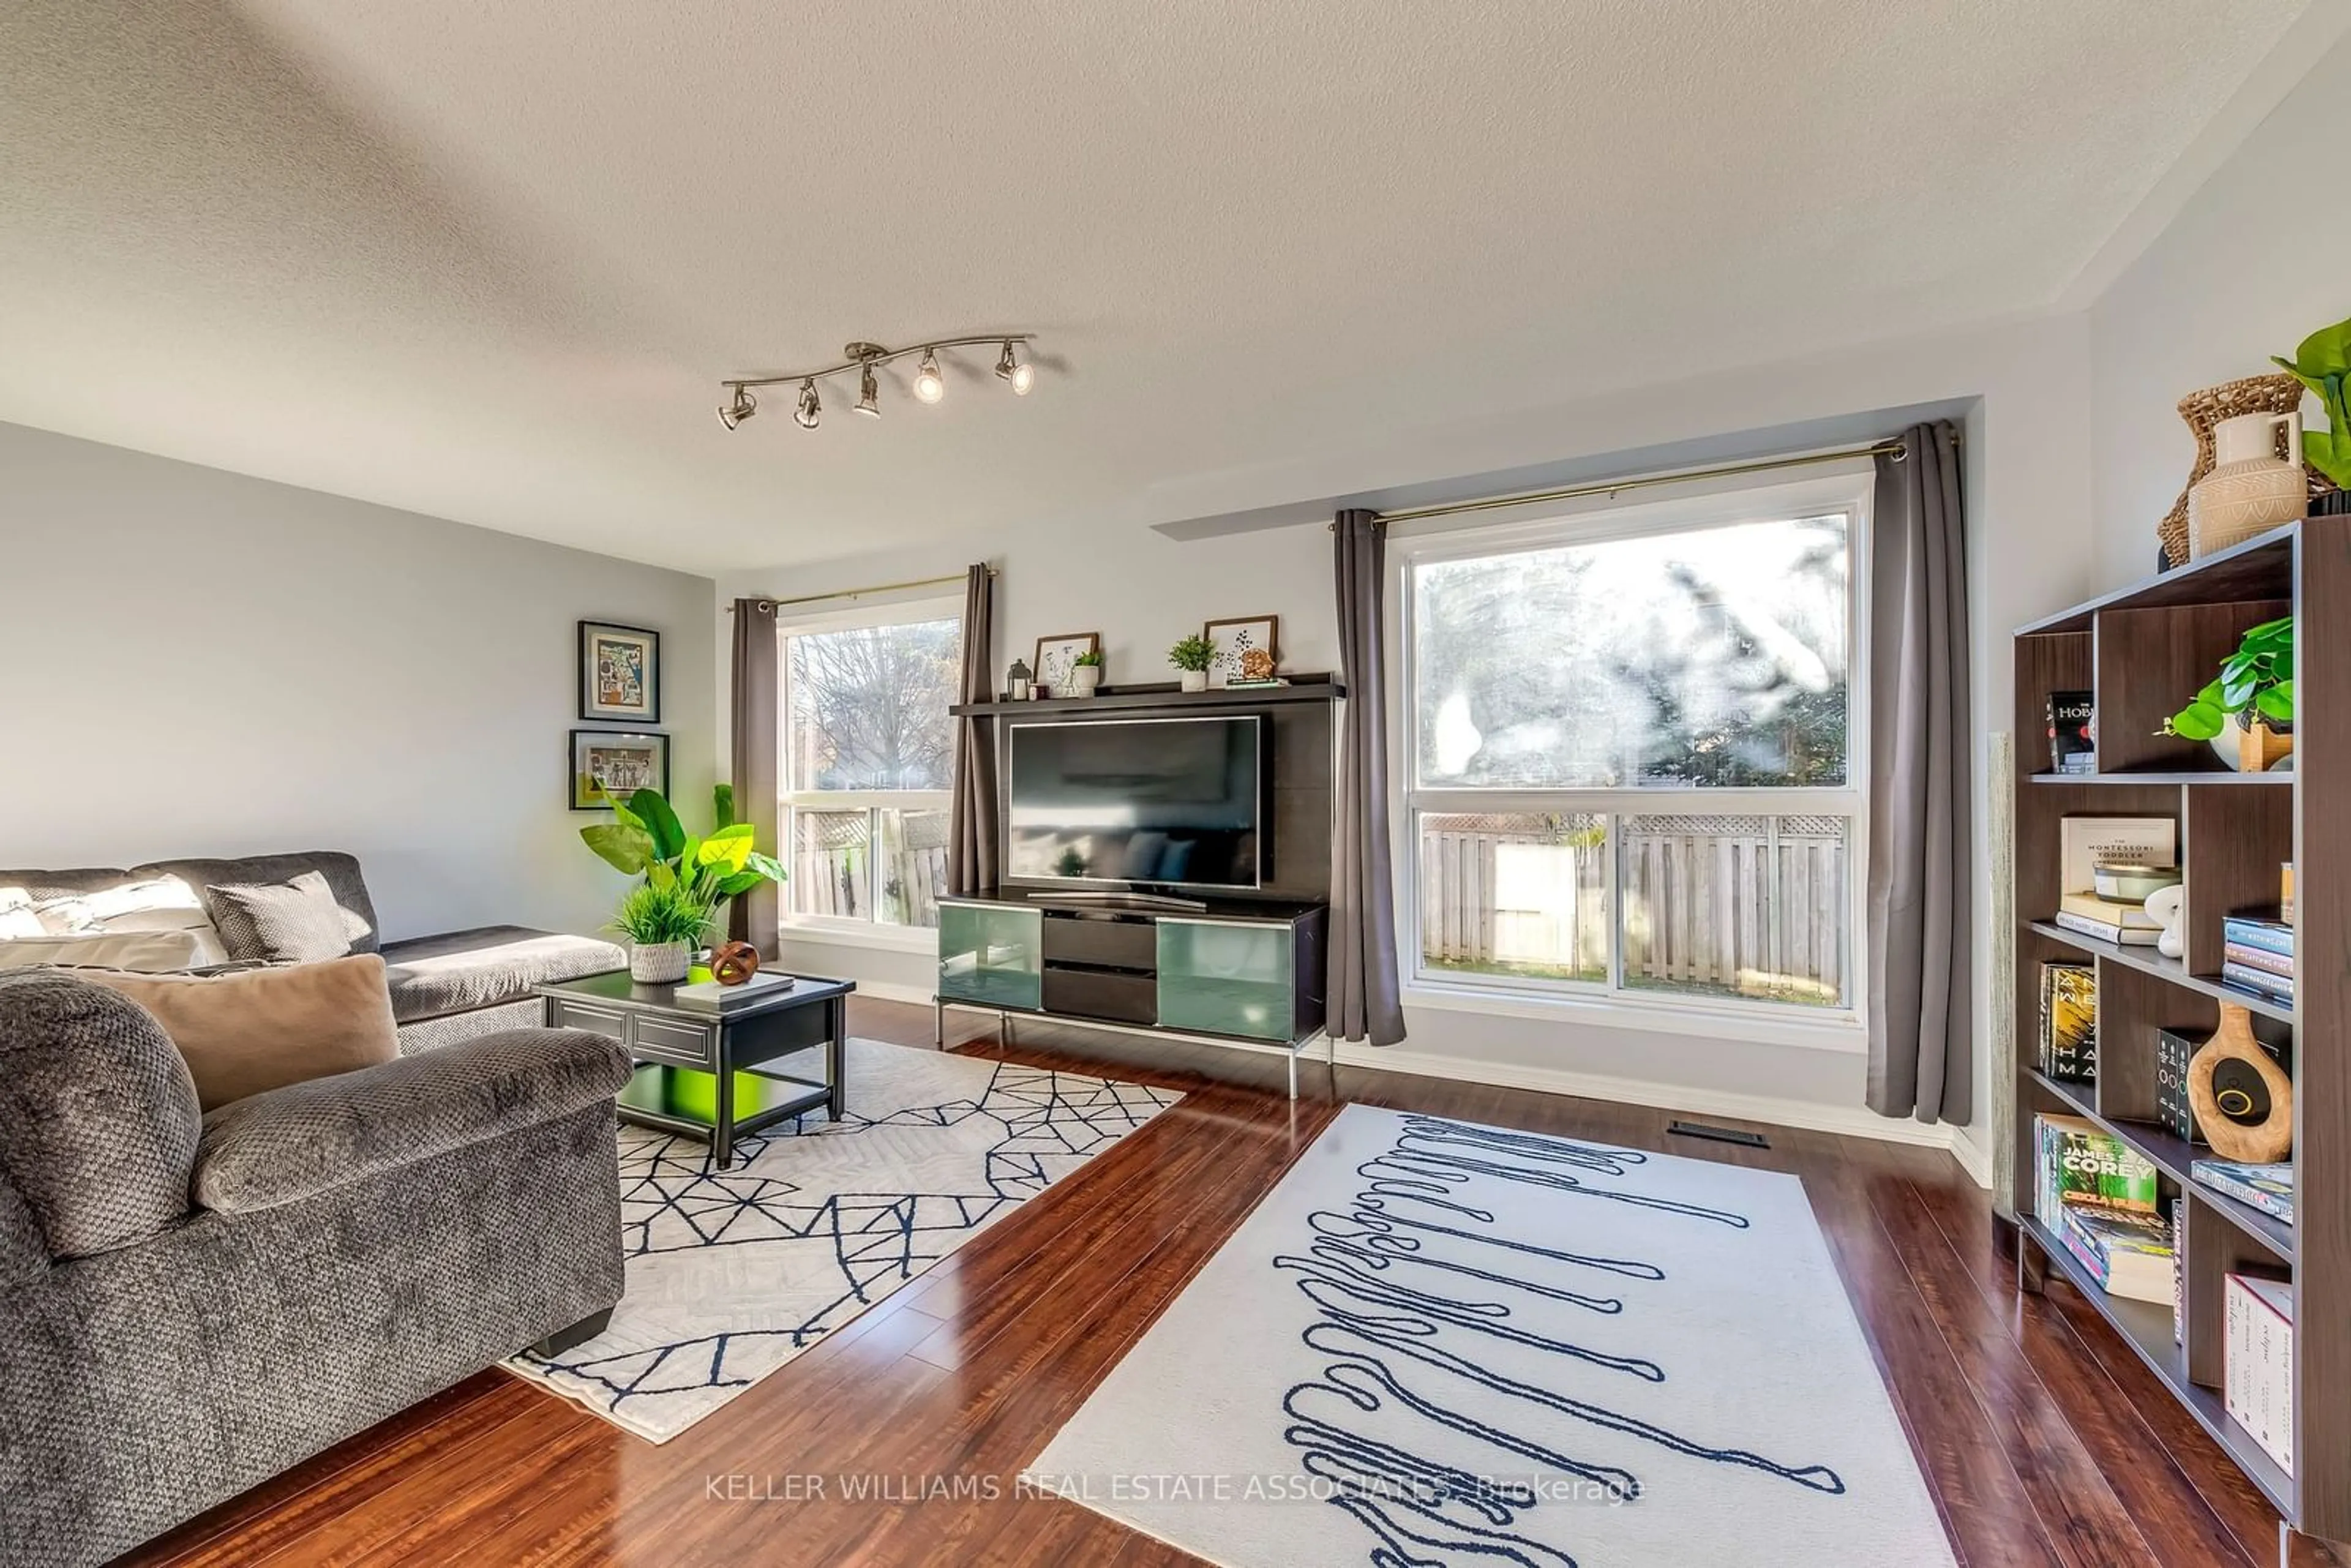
1848,489
790,797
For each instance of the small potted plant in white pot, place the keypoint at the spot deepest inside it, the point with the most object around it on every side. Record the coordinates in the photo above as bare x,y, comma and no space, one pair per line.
1192,656
667,916
1085,671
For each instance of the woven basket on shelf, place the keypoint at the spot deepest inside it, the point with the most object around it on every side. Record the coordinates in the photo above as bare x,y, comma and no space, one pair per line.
2279,393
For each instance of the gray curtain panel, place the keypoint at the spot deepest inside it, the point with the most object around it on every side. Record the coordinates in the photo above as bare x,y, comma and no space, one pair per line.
971,823
753,916
1363,974
1920,867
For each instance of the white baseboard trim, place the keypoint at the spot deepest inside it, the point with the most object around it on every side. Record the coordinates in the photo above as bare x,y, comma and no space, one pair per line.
1974,1157
1854,1121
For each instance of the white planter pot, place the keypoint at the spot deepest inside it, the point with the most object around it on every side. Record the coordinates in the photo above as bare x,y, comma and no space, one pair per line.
659,963
1196,680
1084,679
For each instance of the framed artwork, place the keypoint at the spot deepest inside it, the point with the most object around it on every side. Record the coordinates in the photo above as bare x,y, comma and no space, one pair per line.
1057,656
619,673
1235,638
608,763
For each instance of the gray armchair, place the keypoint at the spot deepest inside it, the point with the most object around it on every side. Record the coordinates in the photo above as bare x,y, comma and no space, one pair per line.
191,1304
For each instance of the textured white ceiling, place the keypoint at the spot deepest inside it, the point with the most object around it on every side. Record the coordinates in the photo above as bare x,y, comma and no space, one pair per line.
488,261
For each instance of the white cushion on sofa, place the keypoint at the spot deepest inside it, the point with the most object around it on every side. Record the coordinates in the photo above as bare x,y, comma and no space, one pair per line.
140,952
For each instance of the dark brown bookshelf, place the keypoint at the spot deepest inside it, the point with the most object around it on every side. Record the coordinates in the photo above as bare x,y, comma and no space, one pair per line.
2142,651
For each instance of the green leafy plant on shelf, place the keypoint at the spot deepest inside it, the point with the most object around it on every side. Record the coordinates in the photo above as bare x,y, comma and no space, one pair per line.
1194,653
2322,363
656,913
1092,657
2259,675
645,837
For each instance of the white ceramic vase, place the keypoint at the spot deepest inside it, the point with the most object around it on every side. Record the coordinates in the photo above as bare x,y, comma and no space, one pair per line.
1196,680
1083,679
659,963
2252,489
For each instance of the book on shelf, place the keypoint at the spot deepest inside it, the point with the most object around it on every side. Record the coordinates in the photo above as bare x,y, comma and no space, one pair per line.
2173,1109
2076,1161
2257,1362
2260,982
2128,1254
2262,958
2087,843
2109,931
2069,1021
2257,931
2269,1189
2179,1278
2071,727
2106,911
1248,685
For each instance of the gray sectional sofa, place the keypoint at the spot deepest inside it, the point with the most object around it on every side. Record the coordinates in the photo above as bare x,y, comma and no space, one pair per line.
192,1302
446,988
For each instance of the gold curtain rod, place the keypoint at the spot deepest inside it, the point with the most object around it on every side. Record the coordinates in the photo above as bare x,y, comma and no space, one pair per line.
1611,486
861,592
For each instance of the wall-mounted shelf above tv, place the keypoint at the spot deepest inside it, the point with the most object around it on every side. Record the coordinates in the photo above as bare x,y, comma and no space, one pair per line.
1311,688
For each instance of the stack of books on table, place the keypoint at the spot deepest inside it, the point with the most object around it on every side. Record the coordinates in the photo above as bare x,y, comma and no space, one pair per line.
2128,925
2259,956
2097,1198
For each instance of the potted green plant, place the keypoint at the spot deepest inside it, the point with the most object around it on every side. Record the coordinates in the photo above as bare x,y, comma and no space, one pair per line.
2258,677
1086,672
2322,363
645,837
1192,656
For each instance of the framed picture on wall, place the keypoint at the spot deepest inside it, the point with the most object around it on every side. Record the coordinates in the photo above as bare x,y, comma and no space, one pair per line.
608,765
1057,656
619,673
1234,638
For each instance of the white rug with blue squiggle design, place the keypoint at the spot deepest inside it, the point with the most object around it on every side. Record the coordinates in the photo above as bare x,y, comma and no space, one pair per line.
1442,1343
733,1274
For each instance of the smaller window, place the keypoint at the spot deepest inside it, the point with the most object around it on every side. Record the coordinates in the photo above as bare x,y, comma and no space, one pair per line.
868,762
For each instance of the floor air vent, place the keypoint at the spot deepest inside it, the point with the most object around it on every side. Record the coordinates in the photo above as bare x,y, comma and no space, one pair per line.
1719,1135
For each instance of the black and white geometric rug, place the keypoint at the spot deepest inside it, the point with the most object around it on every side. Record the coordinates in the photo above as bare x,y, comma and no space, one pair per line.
1437,1342
733,1274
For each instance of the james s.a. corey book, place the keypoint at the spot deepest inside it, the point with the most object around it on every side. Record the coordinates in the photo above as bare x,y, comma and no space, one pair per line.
2078,1161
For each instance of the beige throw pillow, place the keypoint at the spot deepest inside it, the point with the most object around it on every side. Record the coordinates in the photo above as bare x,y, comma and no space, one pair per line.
265,1027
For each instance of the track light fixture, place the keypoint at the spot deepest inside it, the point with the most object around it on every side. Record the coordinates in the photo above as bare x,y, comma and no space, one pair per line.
1020,377
930,382
743,407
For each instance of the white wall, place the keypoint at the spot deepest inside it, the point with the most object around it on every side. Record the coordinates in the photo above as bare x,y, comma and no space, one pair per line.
204,663
2253,263
2025,391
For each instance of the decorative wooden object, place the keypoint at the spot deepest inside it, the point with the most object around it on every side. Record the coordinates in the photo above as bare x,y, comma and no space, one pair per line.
2259,1143
2259,748
734,962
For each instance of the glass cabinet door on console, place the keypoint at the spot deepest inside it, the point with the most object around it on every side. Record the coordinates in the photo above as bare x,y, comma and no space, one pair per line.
1226,979
990,954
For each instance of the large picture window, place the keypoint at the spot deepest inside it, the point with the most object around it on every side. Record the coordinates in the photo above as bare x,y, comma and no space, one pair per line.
869,757
1635,750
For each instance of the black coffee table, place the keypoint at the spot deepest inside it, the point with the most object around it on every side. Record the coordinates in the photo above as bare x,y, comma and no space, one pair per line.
699,1064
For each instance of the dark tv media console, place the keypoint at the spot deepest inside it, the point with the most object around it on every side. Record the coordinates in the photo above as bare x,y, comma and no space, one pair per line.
1222,971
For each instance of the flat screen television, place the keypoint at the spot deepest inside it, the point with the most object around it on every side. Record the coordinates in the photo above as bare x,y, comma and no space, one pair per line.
1141,803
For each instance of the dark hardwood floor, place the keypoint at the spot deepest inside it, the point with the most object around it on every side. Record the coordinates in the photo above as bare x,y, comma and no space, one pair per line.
2043,1440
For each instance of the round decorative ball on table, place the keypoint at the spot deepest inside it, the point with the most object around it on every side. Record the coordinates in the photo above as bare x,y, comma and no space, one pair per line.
734,962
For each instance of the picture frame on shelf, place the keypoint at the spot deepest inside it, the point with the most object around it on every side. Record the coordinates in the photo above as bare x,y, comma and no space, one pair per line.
619,673
1237,637
606,763
1057,657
